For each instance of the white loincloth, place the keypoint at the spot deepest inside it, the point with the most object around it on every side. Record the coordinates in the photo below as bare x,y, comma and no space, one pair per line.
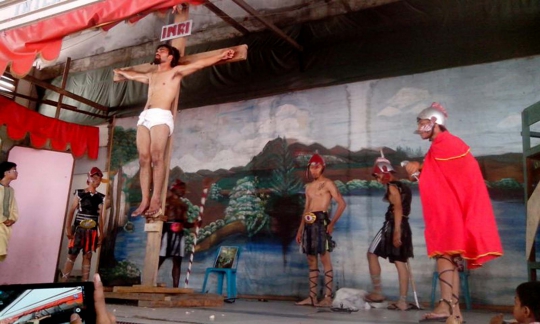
156,116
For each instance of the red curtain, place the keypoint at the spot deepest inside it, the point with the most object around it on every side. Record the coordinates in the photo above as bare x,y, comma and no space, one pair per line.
62,135
20,46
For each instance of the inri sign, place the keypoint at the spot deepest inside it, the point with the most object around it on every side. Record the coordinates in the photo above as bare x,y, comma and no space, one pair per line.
176,30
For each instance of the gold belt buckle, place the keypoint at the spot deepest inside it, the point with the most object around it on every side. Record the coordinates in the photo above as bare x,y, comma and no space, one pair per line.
310,218
88,224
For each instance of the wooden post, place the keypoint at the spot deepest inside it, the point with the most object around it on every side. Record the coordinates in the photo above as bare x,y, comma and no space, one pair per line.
107,182
64,81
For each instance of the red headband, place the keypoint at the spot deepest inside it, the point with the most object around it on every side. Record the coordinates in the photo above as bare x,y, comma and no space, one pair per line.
316,159
95,171
178,184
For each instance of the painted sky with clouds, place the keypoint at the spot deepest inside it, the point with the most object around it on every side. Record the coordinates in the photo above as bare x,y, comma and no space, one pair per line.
484,103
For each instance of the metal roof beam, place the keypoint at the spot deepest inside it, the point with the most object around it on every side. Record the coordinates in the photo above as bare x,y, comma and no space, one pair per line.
267,23
228,19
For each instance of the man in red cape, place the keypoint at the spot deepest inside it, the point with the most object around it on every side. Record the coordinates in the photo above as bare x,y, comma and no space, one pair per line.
459,218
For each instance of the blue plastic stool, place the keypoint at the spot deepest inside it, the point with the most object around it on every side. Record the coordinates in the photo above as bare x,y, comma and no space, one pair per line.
231,281
229,273
464,285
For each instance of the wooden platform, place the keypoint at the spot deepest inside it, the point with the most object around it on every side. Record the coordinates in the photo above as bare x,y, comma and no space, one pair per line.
164,297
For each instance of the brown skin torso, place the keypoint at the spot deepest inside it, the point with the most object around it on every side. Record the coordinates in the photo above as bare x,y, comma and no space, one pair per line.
175,209
163,86
318,195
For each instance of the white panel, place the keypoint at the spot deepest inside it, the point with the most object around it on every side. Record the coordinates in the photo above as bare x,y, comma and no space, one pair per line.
41,191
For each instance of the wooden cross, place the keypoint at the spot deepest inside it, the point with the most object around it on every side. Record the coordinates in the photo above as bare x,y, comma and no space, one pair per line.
153,229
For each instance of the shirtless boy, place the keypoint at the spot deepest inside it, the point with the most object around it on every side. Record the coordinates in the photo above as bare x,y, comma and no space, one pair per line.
316,227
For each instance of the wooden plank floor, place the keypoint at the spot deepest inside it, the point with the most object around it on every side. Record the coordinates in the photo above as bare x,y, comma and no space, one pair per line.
156,297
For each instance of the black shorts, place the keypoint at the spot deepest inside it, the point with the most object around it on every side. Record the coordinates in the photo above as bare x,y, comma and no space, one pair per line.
383,243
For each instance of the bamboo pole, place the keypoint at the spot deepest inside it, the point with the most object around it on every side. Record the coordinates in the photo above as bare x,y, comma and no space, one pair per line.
197,225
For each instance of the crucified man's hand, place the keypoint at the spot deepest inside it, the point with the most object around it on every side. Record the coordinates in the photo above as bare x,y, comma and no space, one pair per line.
119,71
227,54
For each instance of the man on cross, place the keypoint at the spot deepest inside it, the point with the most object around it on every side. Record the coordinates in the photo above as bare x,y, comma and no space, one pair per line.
156,122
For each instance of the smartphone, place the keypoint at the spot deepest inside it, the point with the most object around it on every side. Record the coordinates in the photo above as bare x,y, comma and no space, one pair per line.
47,303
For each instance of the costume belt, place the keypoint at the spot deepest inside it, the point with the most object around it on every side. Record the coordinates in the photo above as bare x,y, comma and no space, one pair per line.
87,224
87,215
312,217
390,217
176,226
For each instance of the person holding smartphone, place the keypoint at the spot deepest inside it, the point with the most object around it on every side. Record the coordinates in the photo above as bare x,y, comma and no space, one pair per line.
83,234
102,315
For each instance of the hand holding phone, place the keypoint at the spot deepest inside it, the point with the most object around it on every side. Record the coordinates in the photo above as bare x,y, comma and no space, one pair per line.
67,302
53,302
102,315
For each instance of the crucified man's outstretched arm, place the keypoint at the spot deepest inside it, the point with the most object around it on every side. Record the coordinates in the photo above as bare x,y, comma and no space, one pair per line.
240,54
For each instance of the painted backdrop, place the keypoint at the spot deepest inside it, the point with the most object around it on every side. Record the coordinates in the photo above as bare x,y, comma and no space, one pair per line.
254,153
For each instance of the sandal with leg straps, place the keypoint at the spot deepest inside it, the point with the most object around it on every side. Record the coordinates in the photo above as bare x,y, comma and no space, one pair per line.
436,317
441,317
328,279
312,299
377,291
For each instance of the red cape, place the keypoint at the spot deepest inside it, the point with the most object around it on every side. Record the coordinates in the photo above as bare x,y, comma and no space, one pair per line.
457,210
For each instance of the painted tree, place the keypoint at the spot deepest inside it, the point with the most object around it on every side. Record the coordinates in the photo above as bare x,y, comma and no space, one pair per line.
123,151
286,202
246,206
342,187
192,214
284,181
357,184
215,192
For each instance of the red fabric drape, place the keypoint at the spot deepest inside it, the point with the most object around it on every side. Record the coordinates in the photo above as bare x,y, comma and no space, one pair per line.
62,135
20,46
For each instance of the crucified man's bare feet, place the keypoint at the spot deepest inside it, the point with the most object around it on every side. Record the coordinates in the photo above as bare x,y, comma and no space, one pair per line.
155,209
140,210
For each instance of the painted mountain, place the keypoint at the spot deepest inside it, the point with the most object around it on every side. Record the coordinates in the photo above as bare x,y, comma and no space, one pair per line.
501,172
279,170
